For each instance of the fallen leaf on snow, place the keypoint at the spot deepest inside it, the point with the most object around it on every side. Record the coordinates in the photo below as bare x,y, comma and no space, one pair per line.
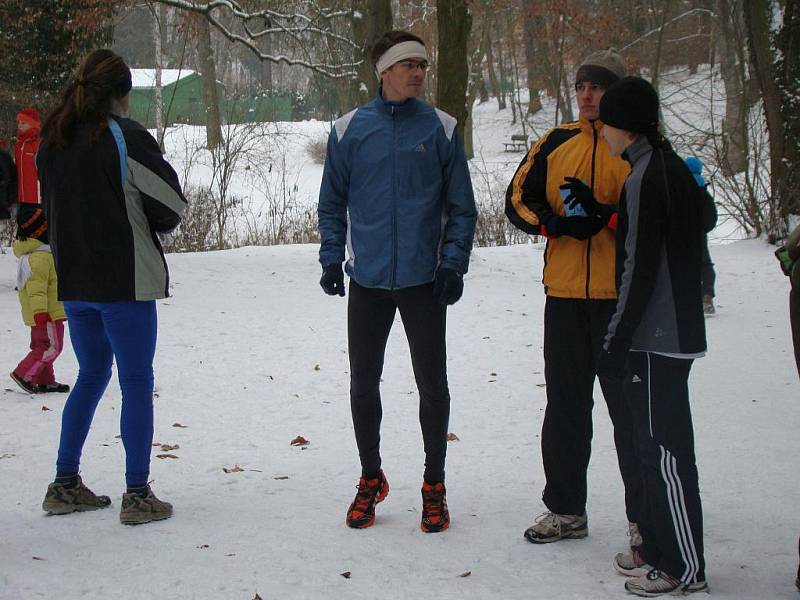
169,447
203,546
452,437
257,597
179,425
346,574
166,456
278,477
233,469
316,367
37,558
45,408
466,574
299,441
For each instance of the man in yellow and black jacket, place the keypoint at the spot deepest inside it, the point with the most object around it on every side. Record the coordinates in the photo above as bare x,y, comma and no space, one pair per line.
568,164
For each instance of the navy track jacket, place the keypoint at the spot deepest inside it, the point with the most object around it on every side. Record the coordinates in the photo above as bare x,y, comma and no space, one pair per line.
396,190
106,201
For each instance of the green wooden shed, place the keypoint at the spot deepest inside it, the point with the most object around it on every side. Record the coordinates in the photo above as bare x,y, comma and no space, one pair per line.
182,94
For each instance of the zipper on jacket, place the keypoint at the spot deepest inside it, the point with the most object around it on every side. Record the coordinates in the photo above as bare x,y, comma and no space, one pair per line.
589,241
394,198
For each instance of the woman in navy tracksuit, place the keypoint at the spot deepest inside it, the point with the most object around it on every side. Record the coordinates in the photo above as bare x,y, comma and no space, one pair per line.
655,334
108,193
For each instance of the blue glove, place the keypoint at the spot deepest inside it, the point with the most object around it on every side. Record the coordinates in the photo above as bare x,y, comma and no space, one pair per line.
448,286
332,280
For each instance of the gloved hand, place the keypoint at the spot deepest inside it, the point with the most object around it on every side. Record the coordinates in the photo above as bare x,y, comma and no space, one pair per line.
332,280
41,319
611,364
581,228
448,286
581,194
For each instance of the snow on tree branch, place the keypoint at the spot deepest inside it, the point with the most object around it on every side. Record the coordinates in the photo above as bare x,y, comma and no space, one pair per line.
307,29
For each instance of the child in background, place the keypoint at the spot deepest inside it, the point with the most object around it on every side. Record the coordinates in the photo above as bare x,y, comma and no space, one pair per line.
41,310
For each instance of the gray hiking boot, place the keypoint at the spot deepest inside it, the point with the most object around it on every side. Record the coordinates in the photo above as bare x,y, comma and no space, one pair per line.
60,500
142,508
631,564
634,536
657,583
551,527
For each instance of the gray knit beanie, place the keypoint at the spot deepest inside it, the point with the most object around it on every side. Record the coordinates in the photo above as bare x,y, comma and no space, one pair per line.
601,68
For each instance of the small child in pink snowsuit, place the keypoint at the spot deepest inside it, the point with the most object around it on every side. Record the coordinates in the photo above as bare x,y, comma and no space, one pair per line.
38,297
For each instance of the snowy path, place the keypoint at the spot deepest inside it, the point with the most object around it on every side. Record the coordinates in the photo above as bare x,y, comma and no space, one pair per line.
236,365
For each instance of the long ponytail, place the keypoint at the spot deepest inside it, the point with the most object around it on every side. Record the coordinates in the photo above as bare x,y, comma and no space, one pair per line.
100,79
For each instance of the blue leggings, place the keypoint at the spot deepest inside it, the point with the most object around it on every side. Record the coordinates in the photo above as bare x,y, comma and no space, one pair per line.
100,332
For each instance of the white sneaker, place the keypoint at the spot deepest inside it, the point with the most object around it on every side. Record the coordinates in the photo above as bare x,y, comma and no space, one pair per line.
658,583
631,564
551,527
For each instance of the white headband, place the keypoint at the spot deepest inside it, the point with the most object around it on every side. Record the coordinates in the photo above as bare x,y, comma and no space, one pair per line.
398,52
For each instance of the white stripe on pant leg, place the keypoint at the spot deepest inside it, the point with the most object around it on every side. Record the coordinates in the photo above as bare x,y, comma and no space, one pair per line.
672,507
680,519
649,396
687,524
47,355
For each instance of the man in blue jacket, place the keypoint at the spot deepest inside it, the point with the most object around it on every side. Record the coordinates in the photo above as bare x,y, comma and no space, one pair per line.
396,191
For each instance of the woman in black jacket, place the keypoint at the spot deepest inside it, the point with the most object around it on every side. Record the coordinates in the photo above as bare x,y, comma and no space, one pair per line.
655,334
108,193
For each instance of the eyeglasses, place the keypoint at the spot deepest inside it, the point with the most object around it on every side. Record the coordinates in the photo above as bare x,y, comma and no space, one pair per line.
413,65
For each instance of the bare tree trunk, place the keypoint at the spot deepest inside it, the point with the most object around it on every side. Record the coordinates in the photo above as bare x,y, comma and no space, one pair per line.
159,13
373,19
454,24
494,86
209,72
501,67
475,87
757,17
531,24
734,125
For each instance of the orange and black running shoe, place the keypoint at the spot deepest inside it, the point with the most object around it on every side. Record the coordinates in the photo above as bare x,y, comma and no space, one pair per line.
435,517
361,513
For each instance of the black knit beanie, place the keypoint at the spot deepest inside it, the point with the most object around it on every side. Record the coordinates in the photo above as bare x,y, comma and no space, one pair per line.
31,222
631,104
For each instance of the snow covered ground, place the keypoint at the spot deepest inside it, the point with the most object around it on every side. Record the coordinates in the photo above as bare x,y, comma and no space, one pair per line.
252,354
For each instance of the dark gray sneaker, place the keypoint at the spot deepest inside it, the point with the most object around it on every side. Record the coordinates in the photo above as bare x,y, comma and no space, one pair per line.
142,508
60,500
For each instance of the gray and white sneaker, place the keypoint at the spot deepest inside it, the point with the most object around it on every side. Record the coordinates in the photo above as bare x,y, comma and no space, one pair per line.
551,527
634,536
631,564
657,583
60,500
139,508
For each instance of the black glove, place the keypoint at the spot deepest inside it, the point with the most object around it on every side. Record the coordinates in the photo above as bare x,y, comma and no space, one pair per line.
611,364
580,194
581,228
332,280
448,286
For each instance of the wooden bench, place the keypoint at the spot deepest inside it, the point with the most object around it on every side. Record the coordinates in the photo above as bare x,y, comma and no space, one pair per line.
518,143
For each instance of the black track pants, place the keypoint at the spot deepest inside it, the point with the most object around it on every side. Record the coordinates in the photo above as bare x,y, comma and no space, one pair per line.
574,331
370,313
657,391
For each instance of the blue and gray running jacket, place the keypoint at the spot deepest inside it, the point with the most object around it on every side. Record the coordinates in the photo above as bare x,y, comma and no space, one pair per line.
396,190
